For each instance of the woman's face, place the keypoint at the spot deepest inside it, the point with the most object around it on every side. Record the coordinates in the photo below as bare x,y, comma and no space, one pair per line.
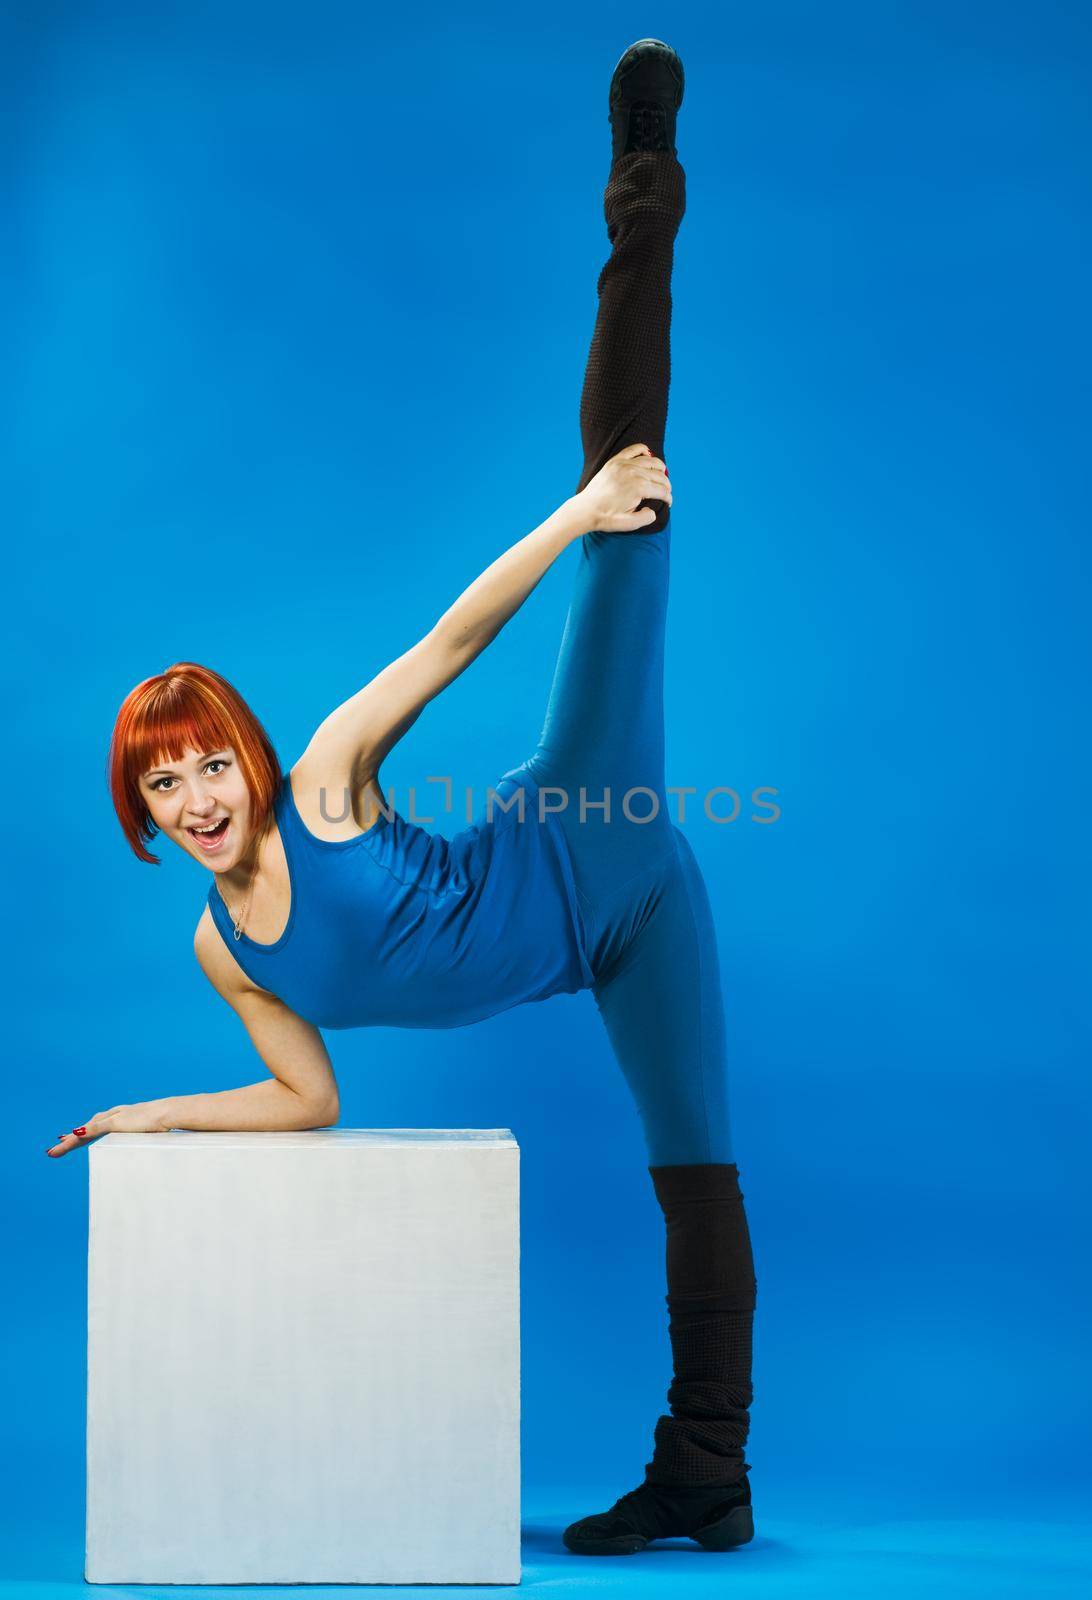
203,804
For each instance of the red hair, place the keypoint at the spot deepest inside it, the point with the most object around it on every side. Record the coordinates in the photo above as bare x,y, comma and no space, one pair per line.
188,707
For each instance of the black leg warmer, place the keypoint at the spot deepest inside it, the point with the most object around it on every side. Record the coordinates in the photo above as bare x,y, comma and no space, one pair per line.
624,398
711,1300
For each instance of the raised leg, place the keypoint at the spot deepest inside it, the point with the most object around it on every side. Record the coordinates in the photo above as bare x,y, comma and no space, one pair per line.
624,399
604,726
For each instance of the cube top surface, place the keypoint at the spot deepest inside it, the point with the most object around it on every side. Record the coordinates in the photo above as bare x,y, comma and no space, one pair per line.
183,1139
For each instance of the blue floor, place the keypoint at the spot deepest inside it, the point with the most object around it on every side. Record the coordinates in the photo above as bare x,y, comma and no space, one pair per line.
801,1549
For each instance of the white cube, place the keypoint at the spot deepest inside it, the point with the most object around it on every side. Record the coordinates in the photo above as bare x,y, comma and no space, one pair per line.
303,1357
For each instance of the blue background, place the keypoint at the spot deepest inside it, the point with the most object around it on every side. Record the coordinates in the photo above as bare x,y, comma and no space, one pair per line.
297,301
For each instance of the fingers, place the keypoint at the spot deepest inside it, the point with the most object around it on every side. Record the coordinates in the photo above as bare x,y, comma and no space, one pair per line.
631,521
83,1134
639,460
654,486
635,452
651,468
658,481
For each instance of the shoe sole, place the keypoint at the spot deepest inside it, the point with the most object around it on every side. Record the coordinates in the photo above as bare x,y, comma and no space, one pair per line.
627,1546
737,1528
632,53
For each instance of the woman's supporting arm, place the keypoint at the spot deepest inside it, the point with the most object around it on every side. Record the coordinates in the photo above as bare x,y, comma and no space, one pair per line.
302,1092
266,1107
269,1107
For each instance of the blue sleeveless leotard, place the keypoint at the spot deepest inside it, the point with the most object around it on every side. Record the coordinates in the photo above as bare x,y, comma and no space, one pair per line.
405,928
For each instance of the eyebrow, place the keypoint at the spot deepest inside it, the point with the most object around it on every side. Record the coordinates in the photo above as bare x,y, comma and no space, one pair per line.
166,772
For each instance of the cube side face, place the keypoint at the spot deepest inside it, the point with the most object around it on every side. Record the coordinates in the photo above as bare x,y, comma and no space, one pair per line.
291,1350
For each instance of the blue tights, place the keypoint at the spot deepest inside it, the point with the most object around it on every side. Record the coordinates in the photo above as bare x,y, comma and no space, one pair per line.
649,935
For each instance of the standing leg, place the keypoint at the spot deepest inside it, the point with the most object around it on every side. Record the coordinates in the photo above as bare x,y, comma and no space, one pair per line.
660,1000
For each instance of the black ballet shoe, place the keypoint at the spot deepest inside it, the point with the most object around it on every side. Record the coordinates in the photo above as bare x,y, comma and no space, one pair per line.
646,92
716,1516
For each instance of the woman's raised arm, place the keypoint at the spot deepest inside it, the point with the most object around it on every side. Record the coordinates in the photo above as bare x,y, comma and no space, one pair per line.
360,733
357,736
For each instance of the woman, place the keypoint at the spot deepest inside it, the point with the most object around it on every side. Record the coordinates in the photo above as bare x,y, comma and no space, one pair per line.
327,910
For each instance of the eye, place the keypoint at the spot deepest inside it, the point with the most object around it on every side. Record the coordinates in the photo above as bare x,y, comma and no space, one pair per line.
217,763
159,782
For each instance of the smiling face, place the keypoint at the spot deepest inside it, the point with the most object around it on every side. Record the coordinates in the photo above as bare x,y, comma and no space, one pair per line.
202,802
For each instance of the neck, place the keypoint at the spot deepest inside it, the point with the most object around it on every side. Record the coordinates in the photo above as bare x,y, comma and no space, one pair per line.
239,877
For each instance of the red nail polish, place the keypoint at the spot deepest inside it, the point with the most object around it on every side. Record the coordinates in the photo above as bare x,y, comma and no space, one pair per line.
80,1131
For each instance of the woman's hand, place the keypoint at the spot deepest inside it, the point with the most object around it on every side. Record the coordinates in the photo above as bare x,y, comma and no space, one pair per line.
147,1117
611,498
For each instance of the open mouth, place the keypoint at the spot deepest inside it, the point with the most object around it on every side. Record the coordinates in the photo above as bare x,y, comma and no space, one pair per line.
209,837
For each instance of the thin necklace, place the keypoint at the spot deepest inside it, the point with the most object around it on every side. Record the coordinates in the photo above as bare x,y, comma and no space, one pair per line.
238,924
